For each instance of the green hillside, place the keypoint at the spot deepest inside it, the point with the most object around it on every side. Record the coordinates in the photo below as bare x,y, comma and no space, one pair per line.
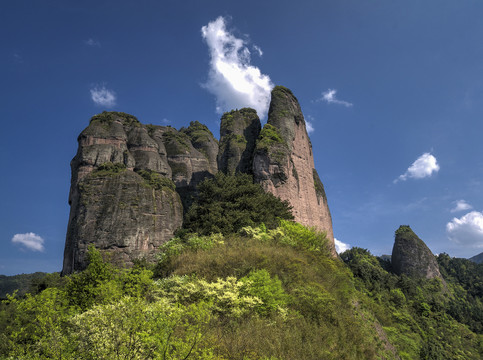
248,292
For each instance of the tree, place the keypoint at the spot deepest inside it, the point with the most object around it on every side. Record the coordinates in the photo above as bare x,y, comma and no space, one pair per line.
226,203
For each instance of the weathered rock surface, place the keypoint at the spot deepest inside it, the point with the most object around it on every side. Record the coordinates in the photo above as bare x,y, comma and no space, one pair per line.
121,214
203,141
411,256
284,165
113,207
239,130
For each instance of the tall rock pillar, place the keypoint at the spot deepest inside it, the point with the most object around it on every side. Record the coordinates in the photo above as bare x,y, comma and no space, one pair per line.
284,164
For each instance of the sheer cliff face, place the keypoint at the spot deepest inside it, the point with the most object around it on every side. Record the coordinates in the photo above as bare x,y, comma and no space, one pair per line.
125,182
284,165
411,256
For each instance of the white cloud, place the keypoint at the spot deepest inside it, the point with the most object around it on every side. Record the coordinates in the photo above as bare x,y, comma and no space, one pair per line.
461,205
424,166
330,98
258,50
308,124
467,230
92,42
103,97
310,128
232,79
29,240
340,247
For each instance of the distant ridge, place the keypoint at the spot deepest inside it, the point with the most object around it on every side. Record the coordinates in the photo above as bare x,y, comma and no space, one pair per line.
477,258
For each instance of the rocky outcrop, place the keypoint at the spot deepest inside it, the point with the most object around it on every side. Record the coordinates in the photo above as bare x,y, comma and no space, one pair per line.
203,141
123,215
239,130
189,166
131,183
284,165
411,256
122,197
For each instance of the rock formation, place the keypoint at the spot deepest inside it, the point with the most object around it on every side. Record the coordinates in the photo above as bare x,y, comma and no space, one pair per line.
131,182
411,256
284,164
123,197
239,130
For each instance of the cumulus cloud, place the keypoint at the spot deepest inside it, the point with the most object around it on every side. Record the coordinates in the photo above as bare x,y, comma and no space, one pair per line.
340,247
423,167
30,241
232,79
103,96
467,230
92,42
329,97
461,205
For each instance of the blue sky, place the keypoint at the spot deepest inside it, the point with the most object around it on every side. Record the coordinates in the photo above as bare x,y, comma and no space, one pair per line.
392,89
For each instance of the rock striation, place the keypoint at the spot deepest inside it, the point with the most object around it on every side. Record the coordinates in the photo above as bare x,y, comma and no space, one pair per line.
411,256
131,183
283,163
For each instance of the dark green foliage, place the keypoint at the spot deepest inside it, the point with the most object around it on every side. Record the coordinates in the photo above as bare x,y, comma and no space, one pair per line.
226,203
156,181
319,187
22,283
108,117
109,169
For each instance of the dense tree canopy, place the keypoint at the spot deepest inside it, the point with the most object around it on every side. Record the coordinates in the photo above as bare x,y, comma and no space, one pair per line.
227,203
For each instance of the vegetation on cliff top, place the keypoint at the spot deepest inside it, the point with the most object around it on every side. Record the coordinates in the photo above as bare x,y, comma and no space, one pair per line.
108,117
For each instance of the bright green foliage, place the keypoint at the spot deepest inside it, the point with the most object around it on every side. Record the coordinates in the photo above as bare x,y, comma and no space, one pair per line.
269,136
292,234
230,297
93,285
37,328
226,203
156,181
261,285
134,329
